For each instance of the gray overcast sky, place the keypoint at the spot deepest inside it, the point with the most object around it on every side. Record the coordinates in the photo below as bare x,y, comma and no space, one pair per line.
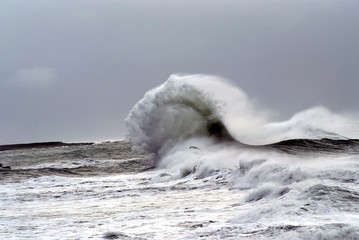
71,70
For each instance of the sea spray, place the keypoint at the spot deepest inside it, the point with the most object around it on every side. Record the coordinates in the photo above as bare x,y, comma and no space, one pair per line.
191,106
196,122
207,106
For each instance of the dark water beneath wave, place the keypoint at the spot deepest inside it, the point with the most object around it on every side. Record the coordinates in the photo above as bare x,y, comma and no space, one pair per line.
324,146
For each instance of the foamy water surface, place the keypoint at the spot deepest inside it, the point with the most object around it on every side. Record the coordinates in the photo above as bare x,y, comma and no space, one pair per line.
199,179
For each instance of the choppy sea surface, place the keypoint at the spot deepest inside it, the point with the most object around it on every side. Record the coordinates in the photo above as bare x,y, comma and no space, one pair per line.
202,161
103,191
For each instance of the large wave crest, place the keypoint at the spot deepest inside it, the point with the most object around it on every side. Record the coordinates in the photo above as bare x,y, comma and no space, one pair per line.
202,106
187,106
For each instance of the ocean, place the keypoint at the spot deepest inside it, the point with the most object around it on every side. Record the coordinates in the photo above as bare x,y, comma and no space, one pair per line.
201,161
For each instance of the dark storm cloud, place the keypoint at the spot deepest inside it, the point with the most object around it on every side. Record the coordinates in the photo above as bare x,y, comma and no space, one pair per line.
72,70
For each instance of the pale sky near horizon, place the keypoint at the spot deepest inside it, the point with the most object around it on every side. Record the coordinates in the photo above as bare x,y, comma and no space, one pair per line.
71,70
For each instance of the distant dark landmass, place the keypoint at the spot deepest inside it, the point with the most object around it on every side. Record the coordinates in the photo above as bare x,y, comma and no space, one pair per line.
40,145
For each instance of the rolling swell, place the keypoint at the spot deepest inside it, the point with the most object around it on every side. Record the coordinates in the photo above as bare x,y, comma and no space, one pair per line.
324,145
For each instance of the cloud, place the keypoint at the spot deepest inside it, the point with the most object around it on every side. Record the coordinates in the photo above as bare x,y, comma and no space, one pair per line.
33,77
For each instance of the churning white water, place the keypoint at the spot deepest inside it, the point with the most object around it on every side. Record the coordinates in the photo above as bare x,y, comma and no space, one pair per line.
199,126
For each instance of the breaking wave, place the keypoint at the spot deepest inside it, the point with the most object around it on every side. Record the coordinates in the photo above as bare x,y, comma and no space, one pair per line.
190,106
290,172
199,124
201,106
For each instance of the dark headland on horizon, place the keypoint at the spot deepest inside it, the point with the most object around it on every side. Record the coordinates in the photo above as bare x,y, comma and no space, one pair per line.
40,145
